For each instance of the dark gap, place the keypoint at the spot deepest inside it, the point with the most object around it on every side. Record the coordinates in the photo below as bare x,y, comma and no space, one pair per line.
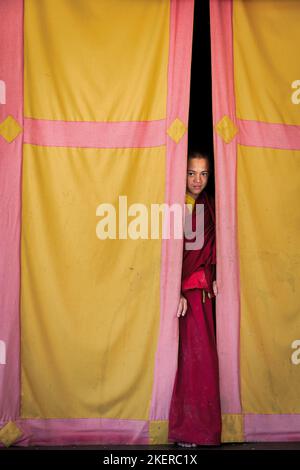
200,113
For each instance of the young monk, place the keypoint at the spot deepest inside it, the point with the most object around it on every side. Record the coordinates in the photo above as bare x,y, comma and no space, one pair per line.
195,416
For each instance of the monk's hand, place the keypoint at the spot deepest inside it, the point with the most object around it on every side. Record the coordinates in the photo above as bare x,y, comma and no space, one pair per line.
182,307
215,288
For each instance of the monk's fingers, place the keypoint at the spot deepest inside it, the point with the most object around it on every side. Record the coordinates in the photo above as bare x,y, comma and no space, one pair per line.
215,287
179,310
184,306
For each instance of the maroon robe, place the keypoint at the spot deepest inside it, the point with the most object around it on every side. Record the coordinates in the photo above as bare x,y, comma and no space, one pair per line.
195,414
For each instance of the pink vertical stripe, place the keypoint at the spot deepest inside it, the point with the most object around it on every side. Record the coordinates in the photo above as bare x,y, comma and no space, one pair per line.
180,50
265,134
271,427
94,134
228,302
11,72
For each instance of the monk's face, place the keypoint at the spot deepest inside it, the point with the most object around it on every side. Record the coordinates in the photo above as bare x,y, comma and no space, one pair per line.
197,176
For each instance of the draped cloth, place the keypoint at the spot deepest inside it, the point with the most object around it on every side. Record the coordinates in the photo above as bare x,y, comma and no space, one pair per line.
195,414
98,110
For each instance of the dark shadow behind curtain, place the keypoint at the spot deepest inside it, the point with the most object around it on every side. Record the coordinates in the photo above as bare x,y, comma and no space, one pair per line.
200,113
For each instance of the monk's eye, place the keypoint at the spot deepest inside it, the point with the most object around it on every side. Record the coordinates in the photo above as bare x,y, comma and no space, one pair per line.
190,173
205,173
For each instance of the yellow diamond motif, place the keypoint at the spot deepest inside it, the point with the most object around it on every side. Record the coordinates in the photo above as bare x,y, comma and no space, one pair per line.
176,130
226,129
10,433
10,129
158,432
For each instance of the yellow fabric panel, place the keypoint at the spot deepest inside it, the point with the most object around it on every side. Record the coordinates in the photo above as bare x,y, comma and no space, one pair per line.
269,227
158,432
92,62
232,428
89,307
266,38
